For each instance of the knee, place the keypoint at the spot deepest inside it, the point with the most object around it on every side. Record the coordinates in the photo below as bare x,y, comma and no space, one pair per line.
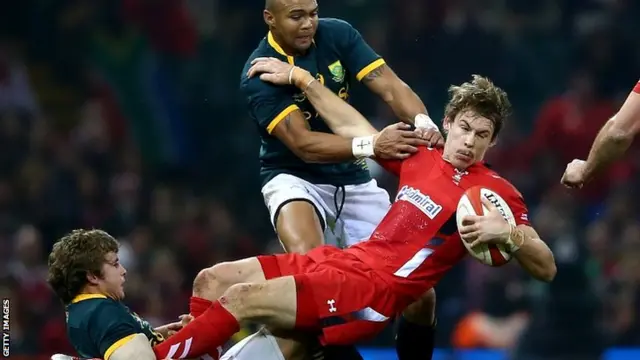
216,278
239,300
423,310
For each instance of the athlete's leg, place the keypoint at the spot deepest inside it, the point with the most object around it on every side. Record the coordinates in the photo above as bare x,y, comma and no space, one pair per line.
211,283
272,302
299,227
416,329
298,213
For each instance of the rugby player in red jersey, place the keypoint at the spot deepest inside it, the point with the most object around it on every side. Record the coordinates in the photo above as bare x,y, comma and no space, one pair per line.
612,142
345,296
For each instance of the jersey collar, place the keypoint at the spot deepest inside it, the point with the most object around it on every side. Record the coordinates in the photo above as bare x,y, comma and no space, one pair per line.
83,297
274,44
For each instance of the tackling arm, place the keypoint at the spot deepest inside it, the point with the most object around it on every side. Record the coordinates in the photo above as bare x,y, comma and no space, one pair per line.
341,117
404,102
312,146
532,253
615,137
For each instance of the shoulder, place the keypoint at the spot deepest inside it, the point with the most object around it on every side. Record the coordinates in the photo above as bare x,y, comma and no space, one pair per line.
426,154
254,89
92,311
332,30
502,185
108,310
262,50
333,24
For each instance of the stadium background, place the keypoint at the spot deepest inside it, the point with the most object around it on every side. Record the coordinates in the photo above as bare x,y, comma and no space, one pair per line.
125,115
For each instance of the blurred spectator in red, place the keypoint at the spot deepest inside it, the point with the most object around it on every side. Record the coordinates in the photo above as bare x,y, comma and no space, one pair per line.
165,22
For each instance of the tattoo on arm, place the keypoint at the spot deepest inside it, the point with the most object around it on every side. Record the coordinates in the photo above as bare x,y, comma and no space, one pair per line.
374,74
288,123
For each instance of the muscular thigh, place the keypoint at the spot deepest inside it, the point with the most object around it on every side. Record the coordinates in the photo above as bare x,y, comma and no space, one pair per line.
241,271
297,212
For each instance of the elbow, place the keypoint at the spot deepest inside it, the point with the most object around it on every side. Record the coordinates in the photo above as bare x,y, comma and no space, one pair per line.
620,136
548,273
397,90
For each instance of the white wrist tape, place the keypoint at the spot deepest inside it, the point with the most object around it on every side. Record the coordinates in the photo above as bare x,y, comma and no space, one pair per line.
423,121
362,147
511,246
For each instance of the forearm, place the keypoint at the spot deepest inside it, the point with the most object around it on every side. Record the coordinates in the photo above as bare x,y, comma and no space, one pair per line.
318,147
534,255
404,102
615,137
341,117
609,146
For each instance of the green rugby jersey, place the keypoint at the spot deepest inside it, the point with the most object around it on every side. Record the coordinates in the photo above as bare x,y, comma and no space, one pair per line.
338,56
98,325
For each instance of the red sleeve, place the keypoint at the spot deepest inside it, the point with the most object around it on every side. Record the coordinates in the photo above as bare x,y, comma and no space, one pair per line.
518,207
514,199
392,166
636,89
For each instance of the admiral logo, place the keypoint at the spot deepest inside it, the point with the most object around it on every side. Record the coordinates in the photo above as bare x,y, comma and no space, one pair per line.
420,200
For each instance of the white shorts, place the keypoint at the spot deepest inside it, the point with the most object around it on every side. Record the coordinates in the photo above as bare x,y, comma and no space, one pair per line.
261,345
358,208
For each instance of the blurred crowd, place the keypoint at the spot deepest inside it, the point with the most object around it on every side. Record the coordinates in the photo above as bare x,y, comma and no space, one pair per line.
124,115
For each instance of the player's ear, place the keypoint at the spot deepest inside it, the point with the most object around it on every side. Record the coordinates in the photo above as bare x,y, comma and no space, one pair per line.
268,17
446,124
92,278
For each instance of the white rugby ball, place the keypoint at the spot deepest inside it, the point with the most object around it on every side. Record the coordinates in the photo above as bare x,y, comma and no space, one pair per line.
470,204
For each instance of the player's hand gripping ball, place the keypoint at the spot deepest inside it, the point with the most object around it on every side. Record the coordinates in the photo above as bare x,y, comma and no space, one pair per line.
484,222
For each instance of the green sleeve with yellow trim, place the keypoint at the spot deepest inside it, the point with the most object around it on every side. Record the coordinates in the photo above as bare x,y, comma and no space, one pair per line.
268,104
108,324
356,55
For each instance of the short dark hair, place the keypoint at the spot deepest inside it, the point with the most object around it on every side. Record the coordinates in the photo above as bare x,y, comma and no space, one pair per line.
482,97
76,255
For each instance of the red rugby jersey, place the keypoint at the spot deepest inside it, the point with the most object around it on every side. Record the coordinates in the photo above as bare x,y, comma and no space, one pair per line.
418,242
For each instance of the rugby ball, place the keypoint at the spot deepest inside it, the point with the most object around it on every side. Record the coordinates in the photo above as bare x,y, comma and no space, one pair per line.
470,204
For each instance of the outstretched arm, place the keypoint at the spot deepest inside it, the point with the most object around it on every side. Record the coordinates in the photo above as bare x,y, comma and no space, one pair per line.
615,137
612,142
341,117
404,102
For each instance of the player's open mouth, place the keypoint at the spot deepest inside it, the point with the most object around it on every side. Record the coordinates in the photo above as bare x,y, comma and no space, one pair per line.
305,38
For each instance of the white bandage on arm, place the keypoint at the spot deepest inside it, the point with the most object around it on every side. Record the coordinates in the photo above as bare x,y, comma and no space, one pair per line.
362,146
423,121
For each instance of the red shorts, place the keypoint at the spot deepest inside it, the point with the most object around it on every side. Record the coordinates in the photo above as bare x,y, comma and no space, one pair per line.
336,294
